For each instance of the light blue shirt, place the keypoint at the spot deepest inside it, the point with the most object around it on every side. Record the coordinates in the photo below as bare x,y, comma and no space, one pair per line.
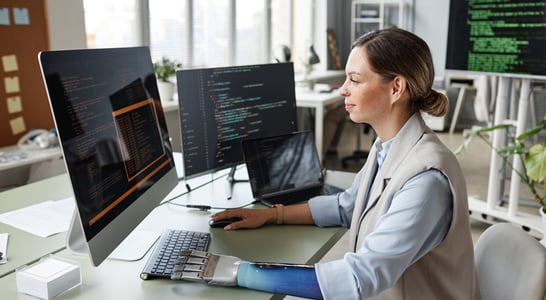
416,222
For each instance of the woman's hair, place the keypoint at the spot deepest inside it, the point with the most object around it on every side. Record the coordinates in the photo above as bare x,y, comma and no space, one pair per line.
395,51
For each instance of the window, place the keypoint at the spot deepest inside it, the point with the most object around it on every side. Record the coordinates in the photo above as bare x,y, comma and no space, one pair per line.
211,30
111,23
281,27
168,24
203,33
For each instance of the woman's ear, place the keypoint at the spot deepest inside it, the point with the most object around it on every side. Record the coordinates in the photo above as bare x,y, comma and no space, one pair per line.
399,84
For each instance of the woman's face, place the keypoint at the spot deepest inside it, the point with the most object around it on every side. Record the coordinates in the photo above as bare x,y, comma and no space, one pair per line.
367,97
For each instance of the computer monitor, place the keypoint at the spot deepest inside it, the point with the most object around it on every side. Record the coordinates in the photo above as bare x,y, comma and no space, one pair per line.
220,107
504,38
114,138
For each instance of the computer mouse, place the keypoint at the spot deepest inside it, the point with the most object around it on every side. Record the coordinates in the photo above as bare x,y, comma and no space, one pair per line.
223,223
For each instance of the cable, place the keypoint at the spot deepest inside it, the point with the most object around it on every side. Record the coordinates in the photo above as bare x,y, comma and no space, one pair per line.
183,193
208,207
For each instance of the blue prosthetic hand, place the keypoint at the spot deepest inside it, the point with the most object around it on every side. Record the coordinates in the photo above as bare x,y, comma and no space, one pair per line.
286,279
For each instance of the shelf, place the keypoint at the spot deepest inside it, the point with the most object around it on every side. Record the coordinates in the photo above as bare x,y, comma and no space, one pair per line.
379,14
480,211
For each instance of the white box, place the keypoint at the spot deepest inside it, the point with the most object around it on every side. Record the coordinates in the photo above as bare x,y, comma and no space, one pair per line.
48,278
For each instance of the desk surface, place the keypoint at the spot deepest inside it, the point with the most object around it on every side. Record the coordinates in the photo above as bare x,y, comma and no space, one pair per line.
24,247
29,156
293,244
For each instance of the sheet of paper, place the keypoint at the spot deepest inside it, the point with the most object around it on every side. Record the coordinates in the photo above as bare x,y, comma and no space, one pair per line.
43,219
20,16
9,63
15,104
12,84
4,16
4,247
17,125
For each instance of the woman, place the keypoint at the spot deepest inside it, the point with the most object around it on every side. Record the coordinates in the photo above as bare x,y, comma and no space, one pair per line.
407,208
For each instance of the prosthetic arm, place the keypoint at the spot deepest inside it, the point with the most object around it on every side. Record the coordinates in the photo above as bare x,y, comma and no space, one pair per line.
287,279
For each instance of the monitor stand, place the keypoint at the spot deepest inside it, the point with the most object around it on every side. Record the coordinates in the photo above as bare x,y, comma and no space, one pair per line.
132,248
231,181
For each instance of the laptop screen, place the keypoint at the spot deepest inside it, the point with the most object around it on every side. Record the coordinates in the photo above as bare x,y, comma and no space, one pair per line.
281,164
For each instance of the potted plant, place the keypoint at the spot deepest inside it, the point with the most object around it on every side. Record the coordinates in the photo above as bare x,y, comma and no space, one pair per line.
532,156
164,70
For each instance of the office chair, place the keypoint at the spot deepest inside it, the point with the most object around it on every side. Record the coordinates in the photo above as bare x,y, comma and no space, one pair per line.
510,264
358,154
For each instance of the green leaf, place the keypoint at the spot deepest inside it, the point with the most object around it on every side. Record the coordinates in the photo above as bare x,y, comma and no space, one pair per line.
166,68
512,149
535,162
492,128
480,132
533,131
463,146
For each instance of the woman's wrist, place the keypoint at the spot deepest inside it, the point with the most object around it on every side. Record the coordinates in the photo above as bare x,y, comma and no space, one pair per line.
279,214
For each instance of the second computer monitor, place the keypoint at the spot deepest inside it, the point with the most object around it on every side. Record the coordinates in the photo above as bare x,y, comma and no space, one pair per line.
220,107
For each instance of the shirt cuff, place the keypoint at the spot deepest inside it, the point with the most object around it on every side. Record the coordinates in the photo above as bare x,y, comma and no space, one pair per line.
325,210
336,280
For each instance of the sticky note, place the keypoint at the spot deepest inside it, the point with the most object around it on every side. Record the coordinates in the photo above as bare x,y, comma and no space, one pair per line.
15,104
17,125
20,16
9,63
4,16
12,84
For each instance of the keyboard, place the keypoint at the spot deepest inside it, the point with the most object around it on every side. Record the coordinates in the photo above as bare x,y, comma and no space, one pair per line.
172,241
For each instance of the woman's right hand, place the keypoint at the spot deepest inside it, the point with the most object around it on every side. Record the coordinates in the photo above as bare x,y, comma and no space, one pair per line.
250,218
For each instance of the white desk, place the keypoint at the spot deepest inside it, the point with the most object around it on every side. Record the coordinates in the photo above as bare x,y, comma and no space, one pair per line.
318,101
115,279
326,76
22,167
31,156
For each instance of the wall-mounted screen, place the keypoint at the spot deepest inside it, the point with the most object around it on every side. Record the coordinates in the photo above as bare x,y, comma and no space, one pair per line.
497,36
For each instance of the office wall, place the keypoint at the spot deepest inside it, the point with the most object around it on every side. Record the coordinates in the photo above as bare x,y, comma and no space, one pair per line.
63,27
431,22
66,24
23,33
26,28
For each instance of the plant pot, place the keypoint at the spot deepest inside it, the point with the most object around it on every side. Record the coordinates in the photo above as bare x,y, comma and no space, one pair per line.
166,90
543,215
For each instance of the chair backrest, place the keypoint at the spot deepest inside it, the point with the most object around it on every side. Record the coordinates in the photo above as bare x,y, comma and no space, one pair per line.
510,264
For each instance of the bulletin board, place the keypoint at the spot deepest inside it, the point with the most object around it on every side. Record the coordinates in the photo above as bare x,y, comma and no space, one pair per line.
23,99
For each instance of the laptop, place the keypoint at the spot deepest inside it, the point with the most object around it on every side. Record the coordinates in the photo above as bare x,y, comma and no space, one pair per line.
285,169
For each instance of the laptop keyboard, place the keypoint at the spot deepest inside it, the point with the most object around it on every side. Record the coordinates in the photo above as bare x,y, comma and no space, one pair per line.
328,189
302,195
172,241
